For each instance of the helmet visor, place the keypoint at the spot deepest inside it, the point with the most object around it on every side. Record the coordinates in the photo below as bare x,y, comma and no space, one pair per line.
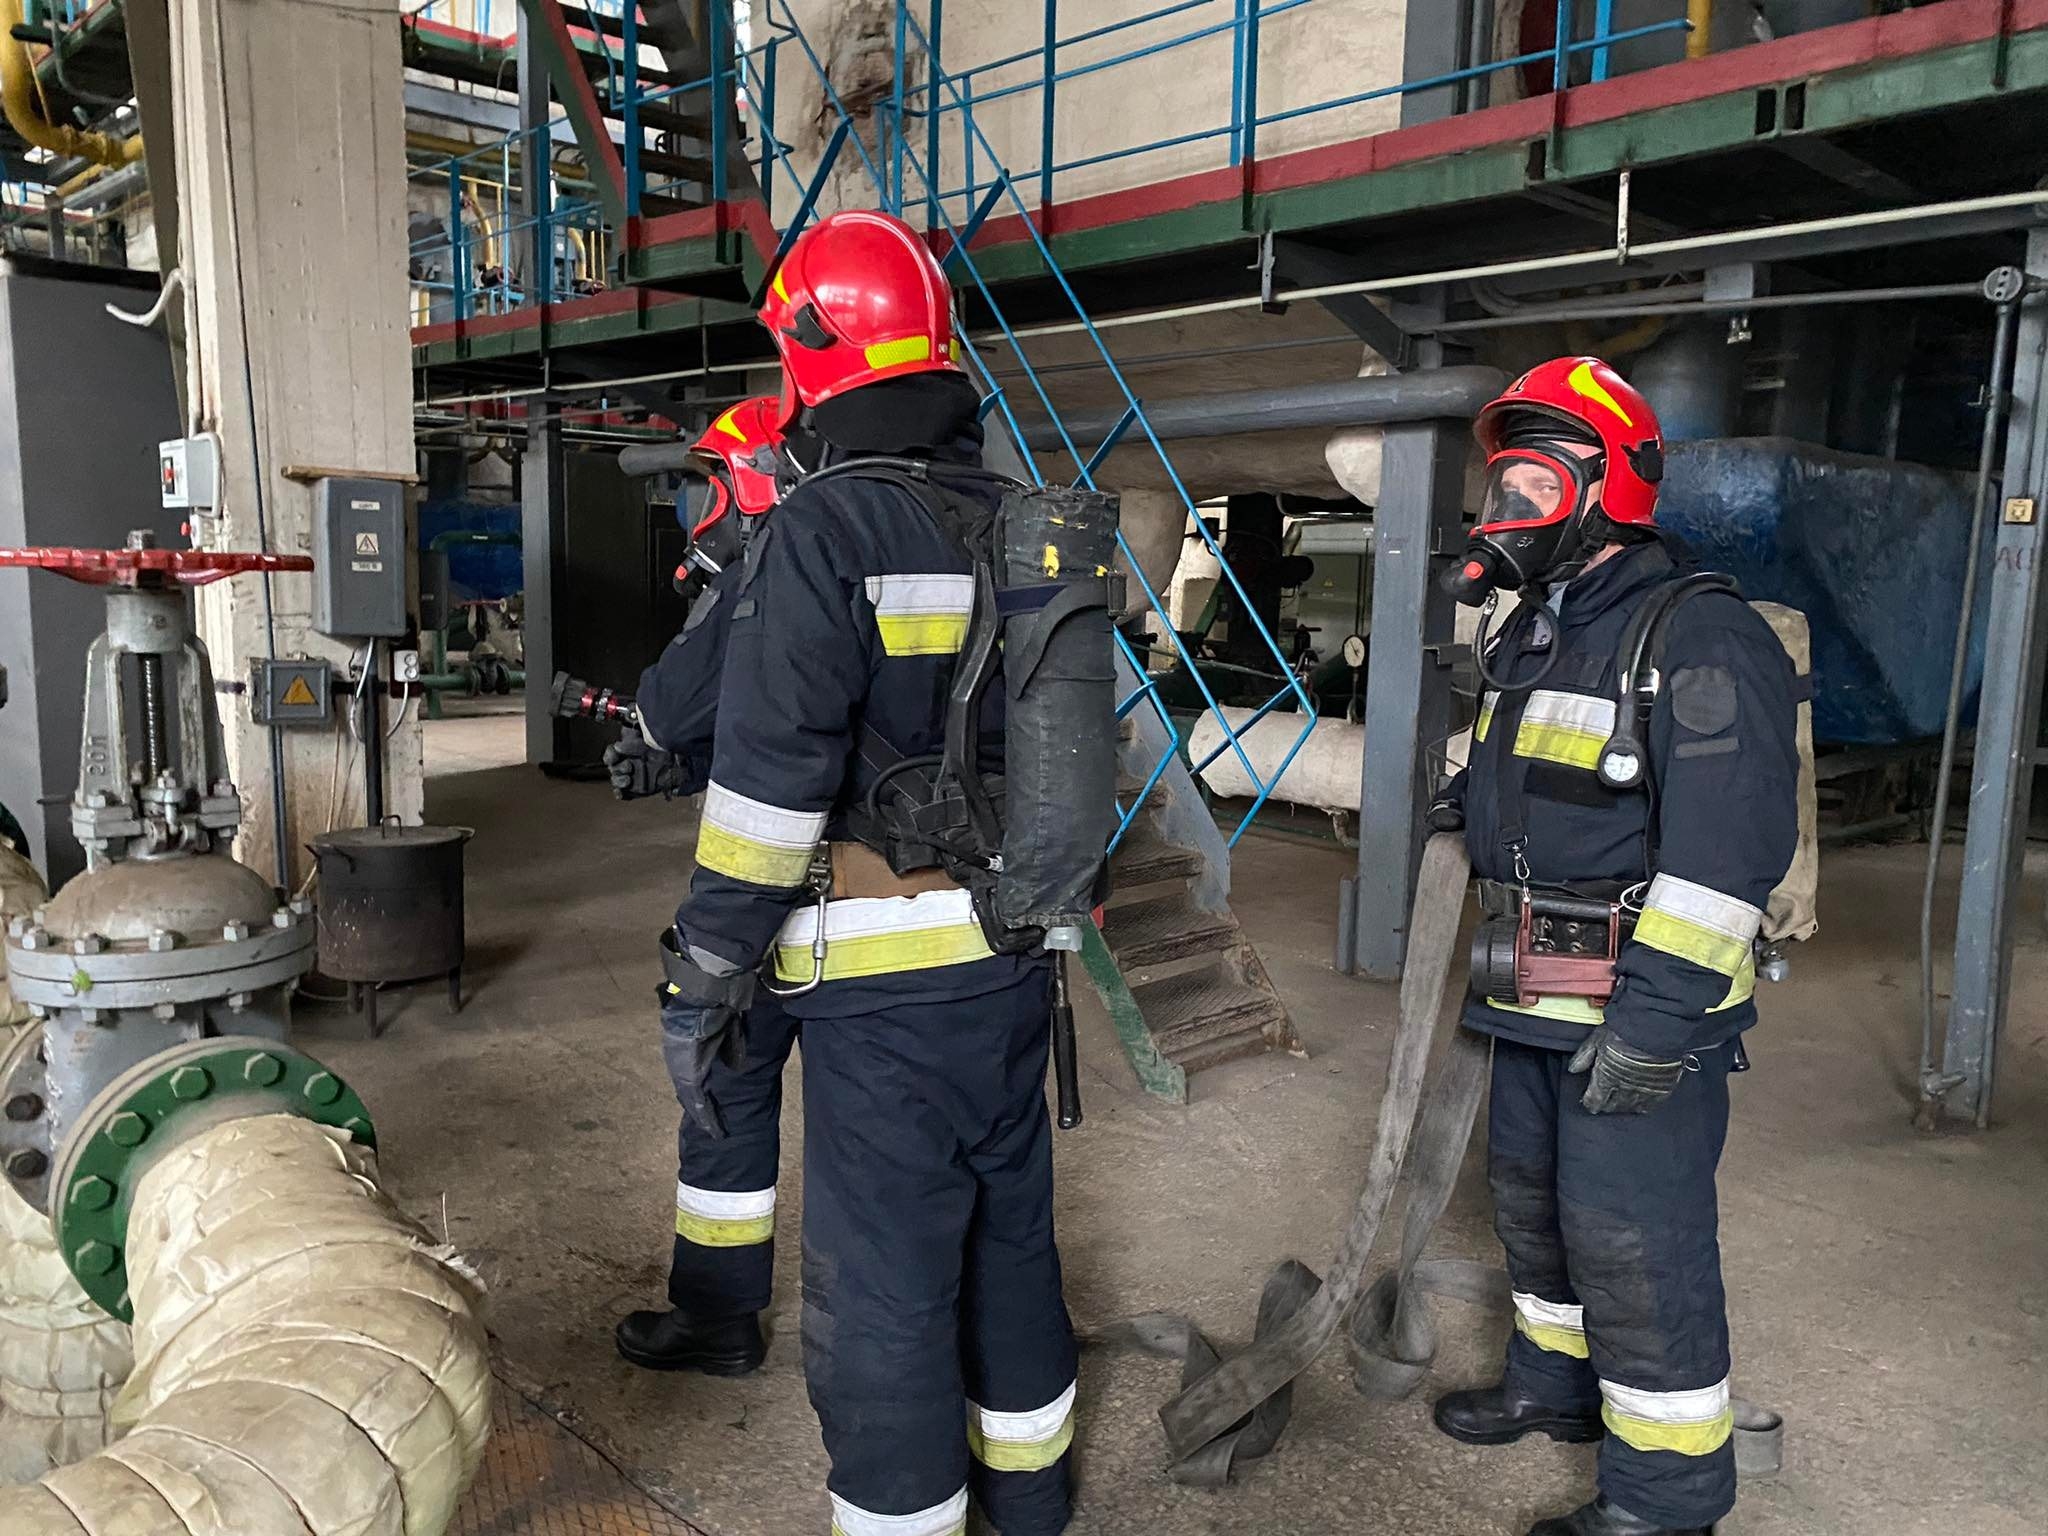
1526,489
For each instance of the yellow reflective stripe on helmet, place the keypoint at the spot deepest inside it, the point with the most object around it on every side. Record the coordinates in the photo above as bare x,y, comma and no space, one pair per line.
1698,923
946,1519
875,935
716,1218
726,425
1557,1326
754,841
1487,705
778,288
1566,728
904,349
1587,387
1021,1442
1692,1423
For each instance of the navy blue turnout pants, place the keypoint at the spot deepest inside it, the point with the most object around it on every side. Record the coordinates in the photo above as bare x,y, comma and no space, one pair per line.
936,1342
1610,1227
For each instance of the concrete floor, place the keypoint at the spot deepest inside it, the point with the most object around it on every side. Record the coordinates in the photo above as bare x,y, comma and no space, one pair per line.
1889,1291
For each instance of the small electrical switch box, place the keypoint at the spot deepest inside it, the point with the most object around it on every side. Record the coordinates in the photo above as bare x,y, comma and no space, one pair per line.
359,558
291,692
188,471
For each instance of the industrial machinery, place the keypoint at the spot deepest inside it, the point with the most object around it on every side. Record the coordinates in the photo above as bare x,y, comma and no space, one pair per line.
159,981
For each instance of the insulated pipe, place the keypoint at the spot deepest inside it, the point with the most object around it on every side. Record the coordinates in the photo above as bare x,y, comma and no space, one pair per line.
1428,395
655,458
17,101
309,1362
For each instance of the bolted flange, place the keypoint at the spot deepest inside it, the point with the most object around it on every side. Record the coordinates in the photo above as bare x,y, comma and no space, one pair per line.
152,1108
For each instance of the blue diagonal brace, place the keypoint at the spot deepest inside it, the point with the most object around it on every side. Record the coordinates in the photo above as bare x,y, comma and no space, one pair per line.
804,209
1116,433
972,227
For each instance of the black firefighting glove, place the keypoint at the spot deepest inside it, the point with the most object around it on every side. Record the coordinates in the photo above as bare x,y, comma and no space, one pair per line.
639,770
703,1022
1623,1080
694,1039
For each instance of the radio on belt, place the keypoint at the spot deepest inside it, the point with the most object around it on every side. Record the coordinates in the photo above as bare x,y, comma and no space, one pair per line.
359,558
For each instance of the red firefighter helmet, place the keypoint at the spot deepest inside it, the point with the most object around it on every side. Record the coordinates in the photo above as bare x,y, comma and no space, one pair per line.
736,461
1585,395
858,299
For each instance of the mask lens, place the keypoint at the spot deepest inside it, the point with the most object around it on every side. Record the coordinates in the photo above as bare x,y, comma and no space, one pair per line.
1524,490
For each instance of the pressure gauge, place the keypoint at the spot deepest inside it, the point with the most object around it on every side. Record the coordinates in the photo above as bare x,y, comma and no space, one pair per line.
1354,651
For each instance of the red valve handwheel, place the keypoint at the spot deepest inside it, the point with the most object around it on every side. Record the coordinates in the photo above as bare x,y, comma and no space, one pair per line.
150,567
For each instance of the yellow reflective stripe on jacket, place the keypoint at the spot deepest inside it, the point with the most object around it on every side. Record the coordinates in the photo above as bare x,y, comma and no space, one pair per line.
1567,1008
946,1519
1021,1442
1566,728
875,935
1559,1327
1692,1423
1488,703
921,615
1697,923
718,1218
754,841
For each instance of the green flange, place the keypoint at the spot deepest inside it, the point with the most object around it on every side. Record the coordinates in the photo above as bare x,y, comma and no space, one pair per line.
150,1109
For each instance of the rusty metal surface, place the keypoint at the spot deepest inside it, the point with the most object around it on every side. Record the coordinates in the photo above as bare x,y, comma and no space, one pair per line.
540,1479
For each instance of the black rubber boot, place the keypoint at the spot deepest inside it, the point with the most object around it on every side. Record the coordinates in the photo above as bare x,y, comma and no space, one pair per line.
1602,1518
672,1341
1498,1416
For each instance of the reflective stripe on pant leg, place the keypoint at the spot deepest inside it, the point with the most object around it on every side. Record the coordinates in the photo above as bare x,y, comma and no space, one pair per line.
1694,1423
1521,1168
1637,1204
714,1218
947,1519
1021,1442
1553,1325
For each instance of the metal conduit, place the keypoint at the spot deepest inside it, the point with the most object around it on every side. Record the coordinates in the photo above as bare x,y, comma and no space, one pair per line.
1434,394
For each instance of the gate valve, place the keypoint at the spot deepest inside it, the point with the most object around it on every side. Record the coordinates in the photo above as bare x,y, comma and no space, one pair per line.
143,565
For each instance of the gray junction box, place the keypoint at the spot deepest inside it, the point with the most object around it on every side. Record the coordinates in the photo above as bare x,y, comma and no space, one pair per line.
359,558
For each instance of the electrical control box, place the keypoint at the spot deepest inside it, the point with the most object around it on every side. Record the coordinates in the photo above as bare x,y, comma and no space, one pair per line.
359,558
188,469
291,692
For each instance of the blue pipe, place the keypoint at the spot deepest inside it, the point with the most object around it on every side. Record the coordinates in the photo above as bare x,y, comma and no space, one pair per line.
629,67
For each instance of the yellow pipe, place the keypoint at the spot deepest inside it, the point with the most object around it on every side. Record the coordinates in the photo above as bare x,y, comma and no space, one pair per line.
1699,42
17,103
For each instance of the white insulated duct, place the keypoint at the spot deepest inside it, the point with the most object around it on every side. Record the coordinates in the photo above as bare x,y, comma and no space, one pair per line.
309,1362
1327,772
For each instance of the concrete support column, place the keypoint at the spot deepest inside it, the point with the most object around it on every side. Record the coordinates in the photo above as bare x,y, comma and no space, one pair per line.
290,132
2008,728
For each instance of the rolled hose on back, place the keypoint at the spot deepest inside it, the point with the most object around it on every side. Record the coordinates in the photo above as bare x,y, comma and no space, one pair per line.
1056,548
308,1359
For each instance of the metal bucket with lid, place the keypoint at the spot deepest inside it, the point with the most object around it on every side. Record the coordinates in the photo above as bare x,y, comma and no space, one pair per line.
390,908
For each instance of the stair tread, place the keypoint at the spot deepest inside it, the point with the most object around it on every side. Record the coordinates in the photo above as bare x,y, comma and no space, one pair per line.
1198,1007
1145,856
1165,928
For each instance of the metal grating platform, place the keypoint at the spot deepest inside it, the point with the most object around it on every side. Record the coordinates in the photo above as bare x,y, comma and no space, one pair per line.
540,1479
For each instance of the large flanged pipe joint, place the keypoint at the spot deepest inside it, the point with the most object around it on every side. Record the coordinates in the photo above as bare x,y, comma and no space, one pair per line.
153,1108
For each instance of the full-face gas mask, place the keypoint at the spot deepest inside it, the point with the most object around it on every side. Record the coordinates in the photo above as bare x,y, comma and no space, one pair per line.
1537,522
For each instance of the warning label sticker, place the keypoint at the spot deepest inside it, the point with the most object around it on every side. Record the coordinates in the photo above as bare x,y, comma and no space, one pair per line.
299,694
366,544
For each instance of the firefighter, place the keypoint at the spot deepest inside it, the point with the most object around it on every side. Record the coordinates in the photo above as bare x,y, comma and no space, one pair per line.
721,1275
937,1346
1606,1123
